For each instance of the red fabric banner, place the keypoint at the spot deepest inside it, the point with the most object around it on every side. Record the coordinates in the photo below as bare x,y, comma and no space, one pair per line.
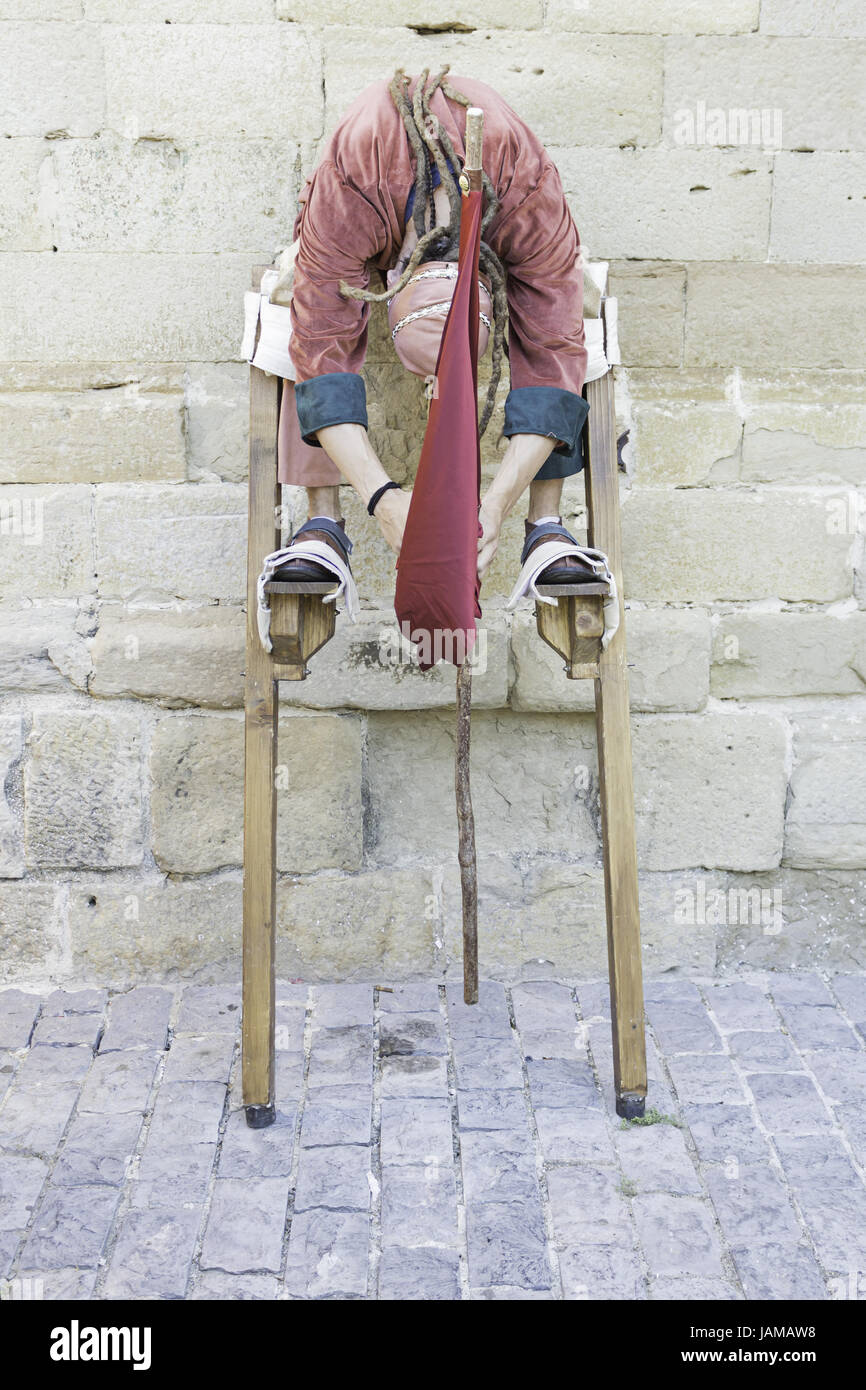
436,596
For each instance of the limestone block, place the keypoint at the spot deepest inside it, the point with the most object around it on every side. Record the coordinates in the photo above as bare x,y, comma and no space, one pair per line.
123,931
534,784
817,86
823,916
24,225
147,195
375,925
650,298
826,820
217,421
197,771
187,655
227,12
217,82
804,427
29,929
705,543
38,645
668,657
830,187
46,546
172,542
53,78
709,790
839,19
684,204
82,791
789,653
422,15
653,16
744,315
91,436
685,443
11,847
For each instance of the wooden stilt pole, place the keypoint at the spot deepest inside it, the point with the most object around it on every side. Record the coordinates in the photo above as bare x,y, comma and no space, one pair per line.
466,836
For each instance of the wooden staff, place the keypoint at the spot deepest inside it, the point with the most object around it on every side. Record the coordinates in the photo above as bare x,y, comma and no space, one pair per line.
465,818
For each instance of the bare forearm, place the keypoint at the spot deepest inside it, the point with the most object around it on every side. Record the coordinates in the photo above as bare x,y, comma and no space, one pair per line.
520,463
350,448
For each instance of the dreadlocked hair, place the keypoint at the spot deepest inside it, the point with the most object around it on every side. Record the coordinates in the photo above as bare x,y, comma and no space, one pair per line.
431,145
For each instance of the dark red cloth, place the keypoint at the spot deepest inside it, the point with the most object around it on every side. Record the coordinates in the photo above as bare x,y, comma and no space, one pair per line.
436,597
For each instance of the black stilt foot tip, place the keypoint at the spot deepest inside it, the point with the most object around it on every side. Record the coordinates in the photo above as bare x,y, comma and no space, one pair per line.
630,1107
260,1116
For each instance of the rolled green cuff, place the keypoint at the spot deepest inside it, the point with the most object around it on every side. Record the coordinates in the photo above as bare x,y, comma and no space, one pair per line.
336,398
555,412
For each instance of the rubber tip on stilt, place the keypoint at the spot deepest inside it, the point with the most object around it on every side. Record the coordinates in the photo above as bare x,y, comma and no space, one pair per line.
260,1116
630,1106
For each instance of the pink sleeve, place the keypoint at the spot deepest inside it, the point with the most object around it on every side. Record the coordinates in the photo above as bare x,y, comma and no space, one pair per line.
538,243
340,230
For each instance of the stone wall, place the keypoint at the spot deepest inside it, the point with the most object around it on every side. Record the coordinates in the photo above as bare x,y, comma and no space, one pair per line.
151,163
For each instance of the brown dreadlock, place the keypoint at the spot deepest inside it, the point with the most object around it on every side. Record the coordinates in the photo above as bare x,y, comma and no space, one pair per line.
430,142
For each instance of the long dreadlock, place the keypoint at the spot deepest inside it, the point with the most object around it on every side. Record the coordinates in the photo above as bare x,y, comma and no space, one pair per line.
431,145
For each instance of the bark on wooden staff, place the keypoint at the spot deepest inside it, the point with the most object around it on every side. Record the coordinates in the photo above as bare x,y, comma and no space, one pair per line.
465,818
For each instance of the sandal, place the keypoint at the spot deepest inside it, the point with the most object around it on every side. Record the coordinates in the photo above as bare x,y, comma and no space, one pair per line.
566,570
304,570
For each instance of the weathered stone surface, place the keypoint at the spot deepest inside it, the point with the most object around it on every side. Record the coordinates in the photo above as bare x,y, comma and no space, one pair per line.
119,1082
82,791
47,546
685,438
39,646
54,78
783,1272
215,1008
153,1254
189,654
71,1227
844,18
506,1245
789,653
676,545
668,654
217,420
189,542
419,1275
803,426
421,14
245,1228
650,295
357,926
419,1205
139,1018
729,768
197,799
656,1159
828,306
336,1178
24,164
98,1148
822,920
654,17
826,821
328,1254
196,81
124,435
11,846
691,205
677,1235
776,74
145,930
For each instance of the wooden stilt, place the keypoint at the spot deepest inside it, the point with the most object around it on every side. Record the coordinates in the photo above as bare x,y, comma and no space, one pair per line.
466,836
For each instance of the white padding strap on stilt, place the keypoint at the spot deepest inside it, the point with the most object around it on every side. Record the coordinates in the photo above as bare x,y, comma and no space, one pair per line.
546,554
324,555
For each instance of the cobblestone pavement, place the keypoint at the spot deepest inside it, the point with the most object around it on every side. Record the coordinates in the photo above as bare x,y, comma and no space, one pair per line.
424,1149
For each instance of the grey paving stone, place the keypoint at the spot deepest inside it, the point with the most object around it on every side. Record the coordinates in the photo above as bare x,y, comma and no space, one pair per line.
405,1034
574,1136
662,989
788,1104
850,990
98,1148
741,1007
489,1018
9,1242
33,1120
601,1272
328,1255
209,1009
342,1006
68,1030
75,1001
205,1058
587,1206
681,1026
799,987
419,1275
288,1078
542,1045
416,1131
726,1132
289,1023
841,1074
61,1284
213,1284
543,1004
50,1066
138,1019
765,1051
752,1205
831,1195
411,998
506,1293
678,1236
119,1081
8,1062
414,1076
506,1245
21,1179
257,1153
185,1182
491,1109
18,1012
656,1159
71,1227
498,1167
814,1027
337,1178
707,1078
482,1062
419,1205
187,1110
558,1083
779,1271
245,1225
336,1115
152,1256
341,1057
294,992
692,1290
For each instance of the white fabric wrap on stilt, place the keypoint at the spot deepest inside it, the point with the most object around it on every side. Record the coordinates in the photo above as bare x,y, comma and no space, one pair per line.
323,554
550,551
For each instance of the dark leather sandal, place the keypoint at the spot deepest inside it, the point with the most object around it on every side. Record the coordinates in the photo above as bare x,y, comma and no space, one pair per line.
566,571
306,571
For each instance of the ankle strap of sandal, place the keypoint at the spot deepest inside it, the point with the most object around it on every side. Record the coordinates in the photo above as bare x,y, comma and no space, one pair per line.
545,528
333,528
